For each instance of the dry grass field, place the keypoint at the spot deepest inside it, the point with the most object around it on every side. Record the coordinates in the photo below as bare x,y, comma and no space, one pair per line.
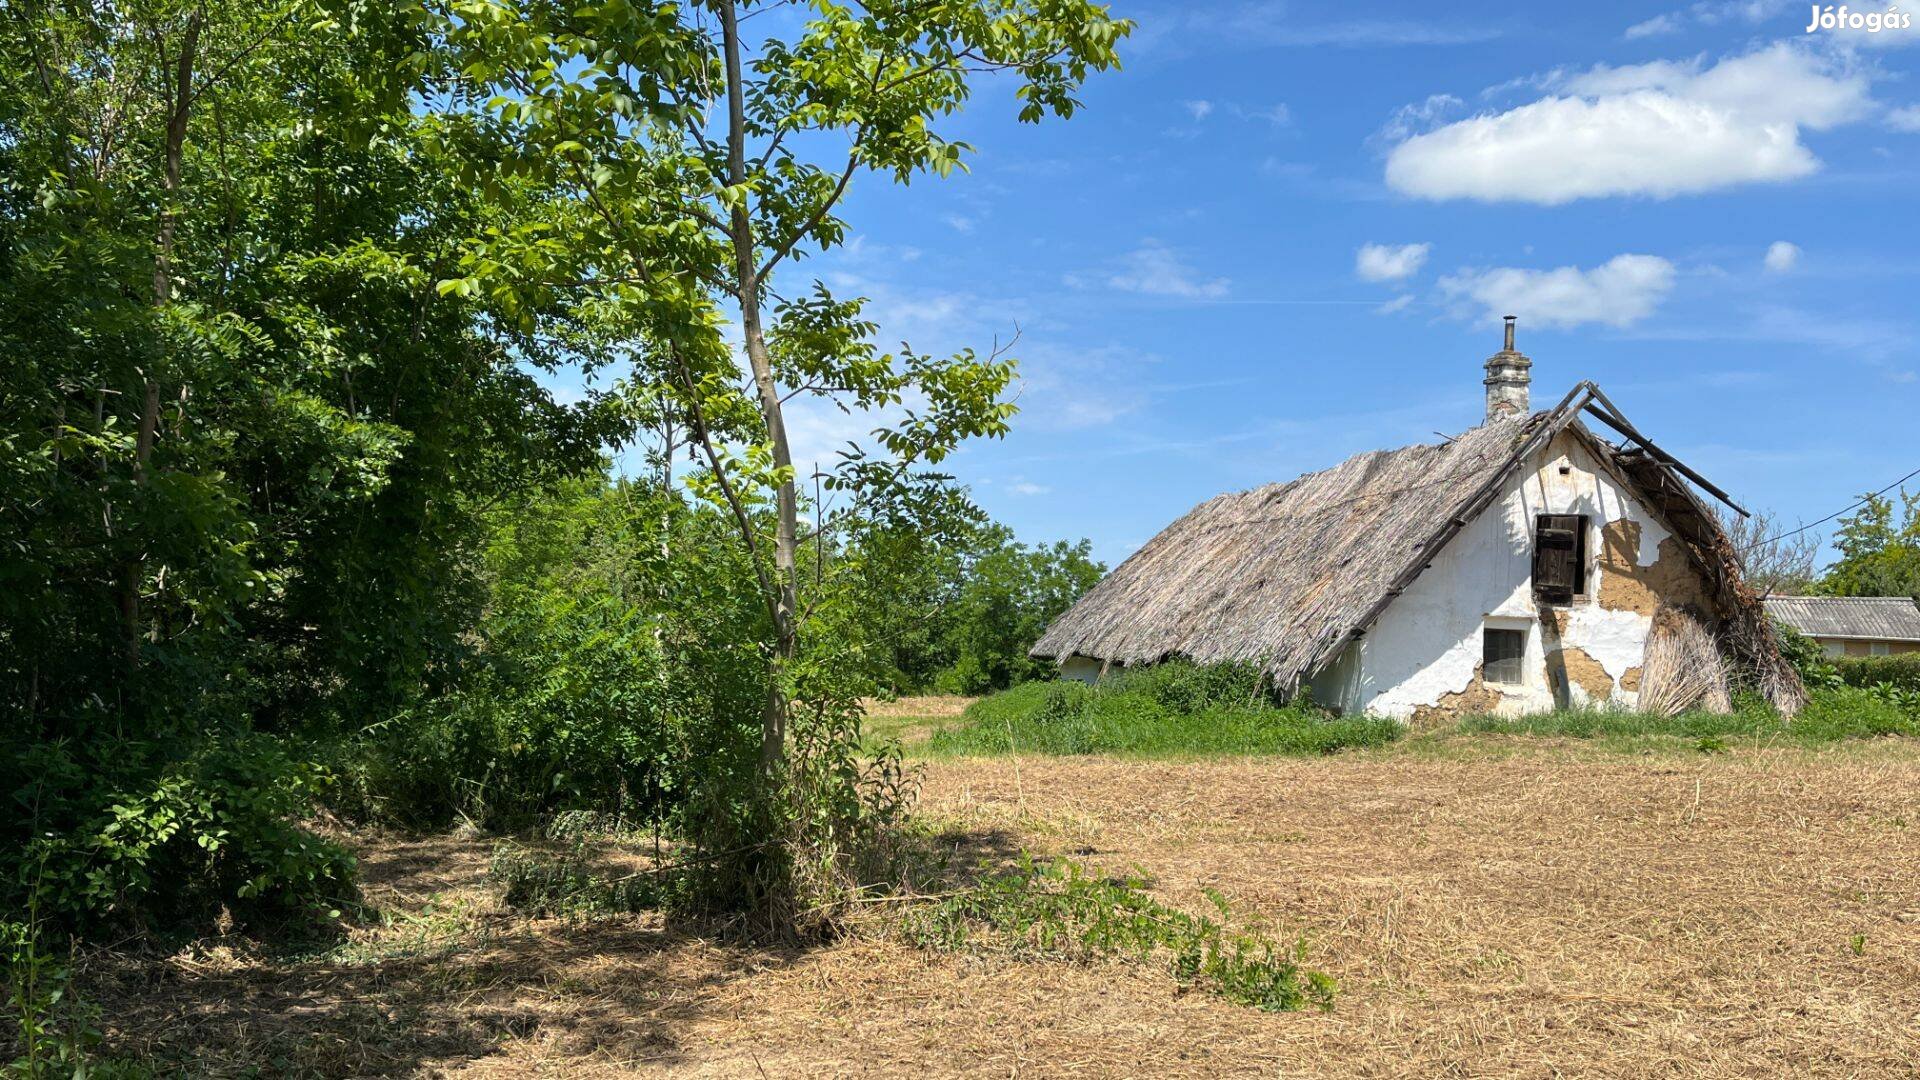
1510,908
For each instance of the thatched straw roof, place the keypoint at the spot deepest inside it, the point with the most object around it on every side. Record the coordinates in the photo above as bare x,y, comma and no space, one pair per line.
1282,575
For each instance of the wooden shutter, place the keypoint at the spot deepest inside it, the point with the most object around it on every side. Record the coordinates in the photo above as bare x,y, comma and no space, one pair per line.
1556,557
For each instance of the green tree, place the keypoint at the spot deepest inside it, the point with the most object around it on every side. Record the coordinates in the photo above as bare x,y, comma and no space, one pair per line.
244,441
1879,550
1009,592
685,167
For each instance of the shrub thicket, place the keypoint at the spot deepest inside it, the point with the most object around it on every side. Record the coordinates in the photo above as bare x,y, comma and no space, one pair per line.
1902,670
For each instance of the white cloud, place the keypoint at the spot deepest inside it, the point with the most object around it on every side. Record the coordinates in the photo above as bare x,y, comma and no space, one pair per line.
1028,487
1200,109
1398,303
1619,292
1905,118
1781,256
1385,262
959,223
1156,271
1657,129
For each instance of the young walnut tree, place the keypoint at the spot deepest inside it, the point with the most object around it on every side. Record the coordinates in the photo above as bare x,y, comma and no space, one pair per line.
693,151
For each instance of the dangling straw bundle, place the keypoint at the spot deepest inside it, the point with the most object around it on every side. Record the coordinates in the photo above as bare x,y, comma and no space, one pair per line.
1682,668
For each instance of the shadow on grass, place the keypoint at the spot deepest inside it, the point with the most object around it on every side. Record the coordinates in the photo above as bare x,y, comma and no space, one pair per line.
440,978
446,981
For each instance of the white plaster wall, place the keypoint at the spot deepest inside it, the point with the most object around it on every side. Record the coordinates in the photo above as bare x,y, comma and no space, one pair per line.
1427,643
1081,669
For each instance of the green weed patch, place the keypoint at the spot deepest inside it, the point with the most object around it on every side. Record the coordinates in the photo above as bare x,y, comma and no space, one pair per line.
1058,909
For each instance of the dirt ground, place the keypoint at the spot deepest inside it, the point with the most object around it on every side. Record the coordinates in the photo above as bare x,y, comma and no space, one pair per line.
1535,909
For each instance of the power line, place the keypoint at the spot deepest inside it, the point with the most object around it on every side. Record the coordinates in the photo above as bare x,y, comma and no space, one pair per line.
1862,501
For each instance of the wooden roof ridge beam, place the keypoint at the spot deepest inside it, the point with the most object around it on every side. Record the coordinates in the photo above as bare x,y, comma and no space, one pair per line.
1609,414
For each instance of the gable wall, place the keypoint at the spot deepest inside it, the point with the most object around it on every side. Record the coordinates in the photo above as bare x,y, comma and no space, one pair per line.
1422,659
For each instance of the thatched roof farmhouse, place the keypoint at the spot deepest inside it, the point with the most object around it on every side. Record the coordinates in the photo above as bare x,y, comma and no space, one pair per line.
1526,564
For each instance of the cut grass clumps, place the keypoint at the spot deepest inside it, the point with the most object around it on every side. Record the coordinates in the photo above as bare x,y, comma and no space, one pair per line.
1057,909
568,874
540,884
1167,709
1830,716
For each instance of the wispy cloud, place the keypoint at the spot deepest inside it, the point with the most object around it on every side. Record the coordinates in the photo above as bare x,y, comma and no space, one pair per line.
1780,257
1153,269
1081,387
1658,26
1277,114
1709,13
1879,342
1261,24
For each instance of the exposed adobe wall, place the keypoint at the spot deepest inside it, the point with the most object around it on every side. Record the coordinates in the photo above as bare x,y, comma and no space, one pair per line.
1422,659
1627,585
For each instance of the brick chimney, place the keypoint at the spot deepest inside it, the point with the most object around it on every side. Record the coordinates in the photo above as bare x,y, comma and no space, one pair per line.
1507,381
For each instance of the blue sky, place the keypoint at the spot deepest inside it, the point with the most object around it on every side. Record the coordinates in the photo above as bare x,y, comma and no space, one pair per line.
1704,208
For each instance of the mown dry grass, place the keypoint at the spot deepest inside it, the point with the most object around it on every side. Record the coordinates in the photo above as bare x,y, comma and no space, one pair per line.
1541,910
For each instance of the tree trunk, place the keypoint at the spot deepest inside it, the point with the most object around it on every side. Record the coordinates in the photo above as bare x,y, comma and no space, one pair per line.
179,106
773,725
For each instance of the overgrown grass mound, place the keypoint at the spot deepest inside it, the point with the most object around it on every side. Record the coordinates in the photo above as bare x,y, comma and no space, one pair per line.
1168,709
1831,715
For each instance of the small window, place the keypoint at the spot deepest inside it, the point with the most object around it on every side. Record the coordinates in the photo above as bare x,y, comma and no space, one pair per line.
1501,651
1834,648
1880,648
1559,557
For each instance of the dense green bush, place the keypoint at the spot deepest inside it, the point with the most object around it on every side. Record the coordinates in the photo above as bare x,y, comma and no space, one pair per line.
1171,708
1807,657
244,448
130,832
566,708
610,672
1902,670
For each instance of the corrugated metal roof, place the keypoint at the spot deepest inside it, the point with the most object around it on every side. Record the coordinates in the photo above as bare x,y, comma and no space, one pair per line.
1873,618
